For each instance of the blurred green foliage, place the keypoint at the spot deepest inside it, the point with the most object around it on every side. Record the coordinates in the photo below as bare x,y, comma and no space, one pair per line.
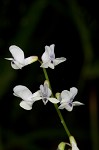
72,26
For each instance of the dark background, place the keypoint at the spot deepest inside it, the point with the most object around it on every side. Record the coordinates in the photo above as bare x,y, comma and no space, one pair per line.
72,26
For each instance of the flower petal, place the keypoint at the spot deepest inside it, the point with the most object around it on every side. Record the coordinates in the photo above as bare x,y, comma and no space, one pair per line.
47,64
52,54
36,96
26,105
8,58
65,95
74,91
53,100
49,92
17,53
59,60
62,106
45,56
16,65
69,108
23,92
45,91
66,106
30,60
76,103
51,65
52,47
44,65
48,50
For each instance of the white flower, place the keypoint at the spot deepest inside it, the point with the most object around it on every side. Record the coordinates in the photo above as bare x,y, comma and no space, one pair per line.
18,61
44,93
48,58
25,94
66,99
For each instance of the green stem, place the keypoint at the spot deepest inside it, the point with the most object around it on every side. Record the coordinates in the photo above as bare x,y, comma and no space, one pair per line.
56,106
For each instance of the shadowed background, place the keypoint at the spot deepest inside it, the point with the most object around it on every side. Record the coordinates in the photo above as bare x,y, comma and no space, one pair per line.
73,27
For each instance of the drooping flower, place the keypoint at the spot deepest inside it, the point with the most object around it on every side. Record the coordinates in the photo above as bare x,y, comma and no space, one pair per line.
25,94
48,58
45,94
73,143
66,99
18,61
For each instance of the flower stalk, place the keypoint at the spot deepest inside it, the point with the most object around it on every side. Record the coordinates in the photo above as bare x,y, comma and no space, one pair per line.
56,106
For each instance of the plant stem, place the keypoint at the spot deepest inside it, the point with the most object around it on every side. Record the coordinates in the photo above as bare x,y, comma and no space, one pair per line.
56,106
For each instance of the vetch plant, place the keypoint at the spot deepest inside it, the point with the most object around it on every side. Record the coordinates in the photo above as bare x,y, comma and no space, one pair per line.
63,100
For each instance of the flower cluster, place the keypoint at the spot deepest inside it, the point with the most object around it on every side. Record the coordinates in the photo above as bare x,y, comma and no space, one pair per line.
44,94
65,98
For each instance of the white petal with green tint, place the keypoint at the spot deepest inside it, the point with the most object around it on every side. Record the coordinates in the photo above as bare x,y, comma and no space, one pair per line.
30,60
